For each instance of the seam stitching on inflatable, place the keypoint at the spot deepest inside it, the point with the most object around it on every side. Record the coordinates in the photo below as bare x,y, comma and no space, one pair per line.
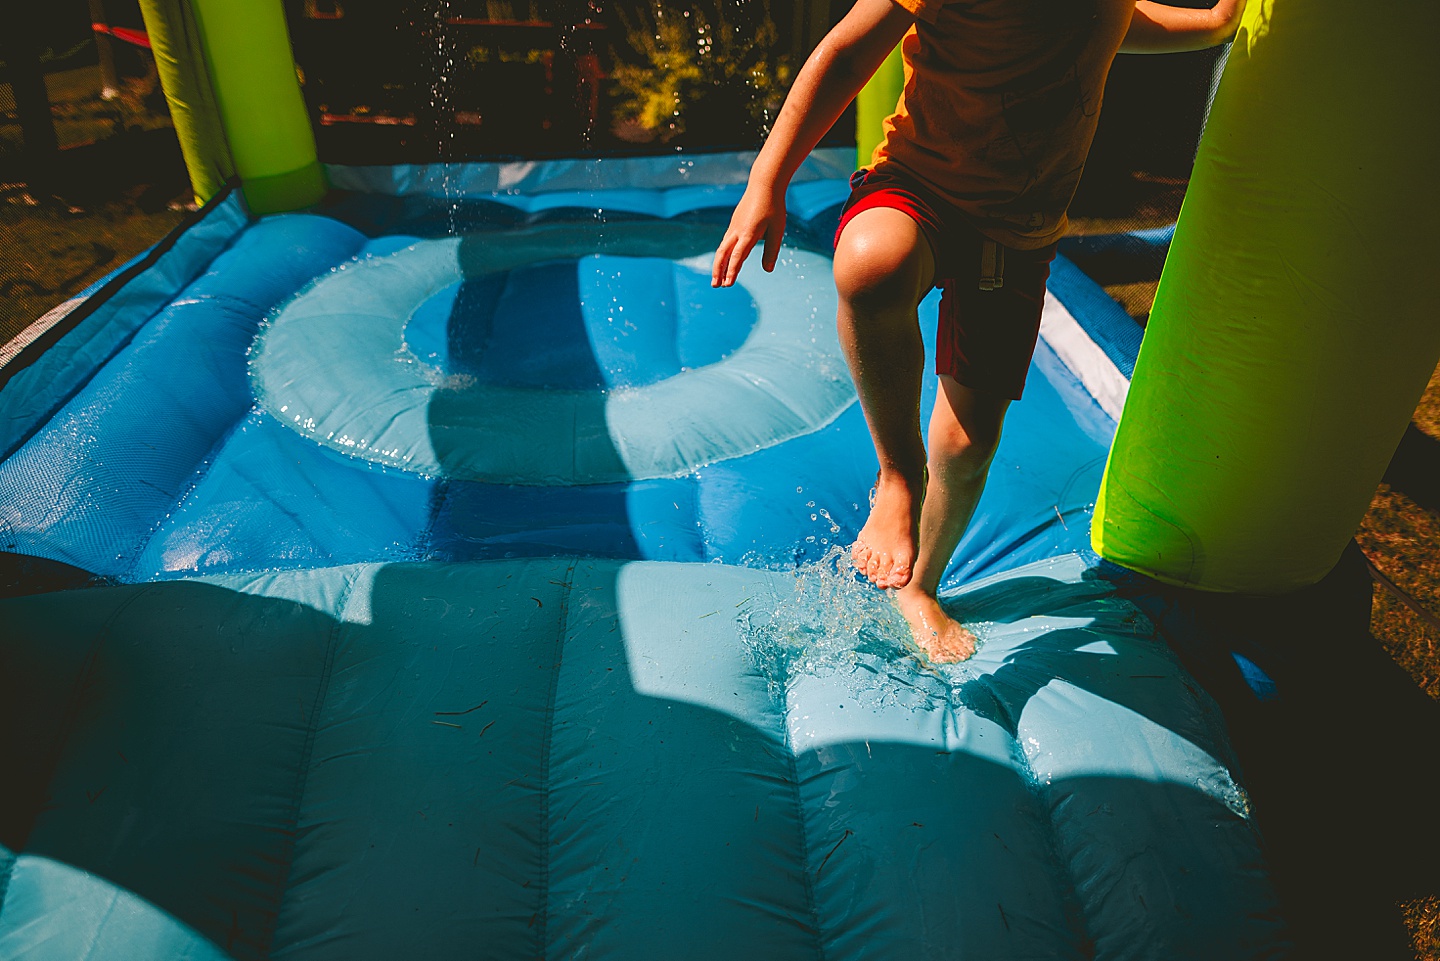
97,931
302,776
72,713
436,503
72,709
543,916
1073,904
6,870
191,484
811,900
672,292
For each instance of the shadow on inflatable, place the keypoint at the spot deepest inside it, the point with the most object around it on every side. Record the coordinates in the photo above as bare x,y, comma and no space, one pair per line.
562,756
550,772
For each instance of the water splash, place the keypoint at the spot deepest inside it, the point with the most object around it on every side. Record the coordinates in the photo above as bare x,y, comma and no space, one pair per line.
442,47
1221,786
835,625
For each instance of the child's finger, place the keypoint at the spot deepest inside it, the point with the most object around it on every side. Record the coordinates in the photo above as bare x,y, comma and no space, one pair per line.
728,261
722,261
773,236
737,259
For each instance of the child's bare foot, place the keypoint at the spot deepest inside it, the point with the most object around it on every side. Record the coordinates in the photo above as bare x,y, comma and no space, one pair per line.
939,635
885,549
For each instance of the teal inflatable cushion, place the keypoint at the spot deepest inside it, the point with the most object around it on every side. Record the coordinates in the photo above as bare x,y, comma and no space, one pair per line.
583,758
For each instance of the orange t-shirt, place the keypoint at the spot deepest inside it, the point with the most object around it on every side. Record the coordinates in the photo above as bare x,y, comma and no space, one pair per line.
1000,105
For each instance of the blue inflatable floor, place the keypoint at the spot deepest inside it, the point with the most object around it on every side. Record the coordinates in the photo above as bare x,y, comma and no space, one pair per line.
464,584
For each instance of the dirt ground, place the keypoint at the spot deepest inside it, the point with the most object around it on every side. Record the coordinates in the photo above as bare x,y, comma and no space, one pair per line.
118,186
1399,536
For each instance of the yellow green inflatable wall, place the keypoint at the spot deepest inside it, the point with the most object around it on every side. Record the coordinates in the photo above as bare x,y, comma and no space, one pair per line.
876,101
180,61
1295,329
247,78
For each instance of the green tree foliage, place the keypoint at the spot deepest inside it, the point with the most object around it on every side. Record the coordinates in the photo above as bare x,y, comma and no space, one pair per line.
710,62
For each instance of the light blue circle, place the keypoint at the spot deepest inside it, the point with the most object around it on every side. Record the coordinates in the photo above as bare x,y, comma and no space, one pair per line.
592,334
331,364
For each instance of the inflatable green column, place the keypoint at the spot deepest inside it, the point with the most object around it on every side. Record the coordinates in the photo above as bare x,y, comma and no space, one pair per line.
247,48
179,59
875,102
1293,332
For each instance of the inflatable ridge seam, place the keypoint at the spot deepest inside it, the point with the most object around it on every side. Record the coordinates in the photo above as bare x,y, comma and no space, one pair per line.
7,868
812,900
302,775
547,742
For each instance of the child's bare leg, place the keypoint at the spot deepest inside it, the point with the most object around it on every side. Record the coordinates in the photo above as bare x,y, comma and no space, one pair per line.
964,432
883,268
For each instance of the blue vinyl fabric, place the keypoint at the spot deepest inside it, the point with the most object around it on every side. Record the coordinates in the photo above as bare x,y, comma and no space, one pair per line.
358,692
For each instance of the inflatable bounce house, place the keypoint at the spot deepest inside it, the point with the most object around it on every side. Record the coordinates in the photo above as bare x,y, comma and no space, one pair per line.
426,562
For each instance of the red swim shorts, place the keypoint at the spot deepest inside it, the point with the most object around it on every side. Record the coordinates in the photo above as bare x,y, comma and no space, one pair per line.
991,296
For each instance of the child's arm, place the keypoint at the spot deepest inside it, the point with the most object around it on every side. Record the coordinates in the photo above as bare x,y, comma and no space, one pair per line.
830,79
1159,28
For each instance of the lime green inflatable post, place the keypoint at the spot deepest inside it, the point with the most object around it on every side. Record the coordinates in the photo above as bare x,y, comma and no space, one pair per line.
175,41
875,102
1293,332
247,49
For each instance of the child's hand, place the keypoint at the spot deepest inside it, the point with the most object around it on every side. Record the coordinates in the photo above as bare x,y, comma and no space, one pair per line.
759,215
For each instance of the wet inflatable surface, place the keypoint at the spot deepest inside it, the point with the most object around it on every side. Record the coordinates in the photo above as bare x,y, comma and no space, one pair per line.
472,591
